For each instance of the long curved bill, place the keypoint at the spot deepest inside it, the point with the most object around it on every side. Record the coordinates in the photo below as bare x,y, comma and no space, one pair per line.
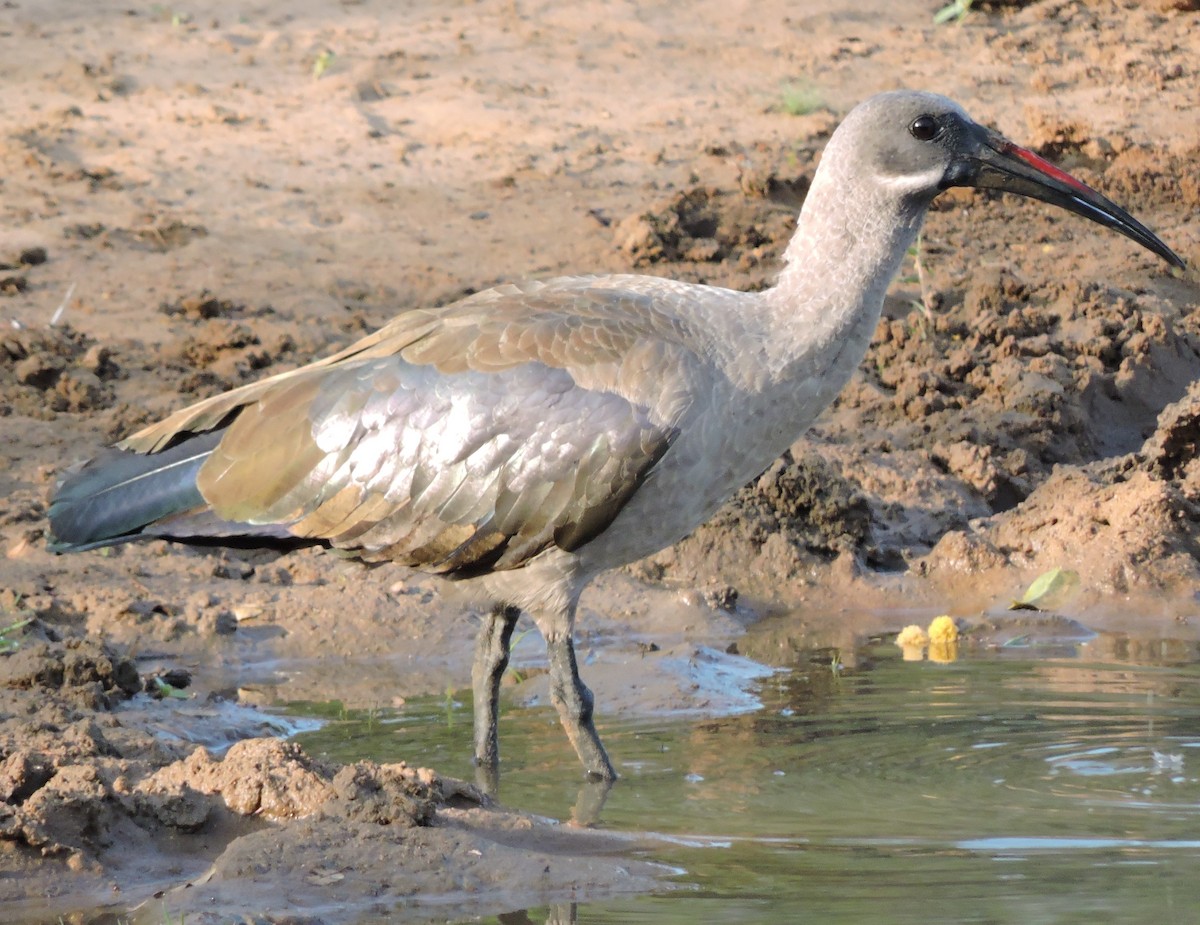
996,163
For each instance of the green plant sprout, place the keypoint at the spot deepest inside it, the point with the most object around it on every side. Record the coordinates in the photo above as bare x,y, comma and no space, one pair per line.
322,63
925,304
11,645
518,675
799,99
956,11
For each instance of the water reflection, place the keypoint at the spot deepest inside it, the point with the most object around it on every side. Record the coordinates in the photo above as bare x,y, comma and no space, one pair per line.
1053,782
561,914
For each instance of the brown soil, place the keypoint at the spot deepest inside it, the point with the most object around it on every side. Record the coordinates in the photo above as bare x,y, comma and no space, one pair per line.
192,200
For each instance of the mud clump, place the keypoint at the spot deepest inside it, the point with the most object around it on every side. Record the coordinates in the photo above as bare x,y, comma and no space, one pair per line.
83,810
79,671
18,283
28,257
1130,523
807,500
49,370
1002,385
80,788
54,747
225,343
684,227
78,780
1121,533
221,354
1051,135
278,780
385,794
1142,173
1173,451
800,511
158,239
12,285
703,225
201,307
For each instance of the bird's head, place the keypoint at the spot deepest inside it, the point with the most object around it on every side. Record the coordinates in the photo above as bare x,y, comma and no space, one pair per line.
916,144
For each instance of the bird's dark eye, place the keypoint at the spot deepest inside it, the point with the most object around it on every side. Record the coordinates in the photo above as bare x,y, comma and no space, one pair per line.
924,128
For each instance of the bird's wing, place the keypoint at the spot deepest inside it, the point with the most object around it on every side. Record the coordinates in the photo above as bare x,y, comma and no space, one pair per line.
608,337
459,440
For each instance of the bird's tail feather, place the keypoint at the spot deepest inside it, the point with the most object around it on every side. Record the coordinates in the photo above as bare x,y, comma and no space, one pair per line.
116,496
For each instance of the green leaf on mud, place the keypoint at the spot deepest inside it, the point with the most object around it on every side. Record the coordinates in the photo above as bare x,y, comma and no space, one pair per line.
169,690
956,11
1050,589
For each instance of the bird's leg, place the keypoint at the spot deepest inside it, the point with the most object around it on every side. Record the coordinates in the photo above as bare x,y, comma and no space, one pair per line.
574,703
491,658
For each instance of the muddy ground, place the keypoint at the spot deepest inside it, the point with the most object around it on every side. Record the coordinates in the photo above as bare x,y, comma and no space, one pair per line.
193,197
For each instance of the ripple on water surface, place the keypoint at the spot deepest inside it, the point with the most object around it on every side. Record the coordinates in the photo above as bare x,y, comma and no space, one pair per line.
995,789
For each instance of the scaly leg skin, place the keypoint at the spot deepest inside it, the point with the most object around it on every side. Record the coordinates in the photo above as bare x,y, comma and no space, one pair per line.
491,658
574,703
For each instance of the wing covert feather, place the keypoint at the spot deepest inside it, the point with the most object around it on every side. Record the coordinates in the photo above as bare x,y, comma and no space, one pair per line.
467,437
448,472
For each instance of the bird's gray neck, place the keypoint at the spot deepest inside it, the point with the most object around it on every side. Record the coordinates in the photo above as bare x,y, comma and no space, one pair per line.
850,239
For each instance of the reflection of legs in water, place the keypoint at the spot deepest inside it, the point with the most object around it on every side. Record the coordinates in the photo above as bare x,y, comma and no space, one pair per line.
560,914
487,779
590,801
491,658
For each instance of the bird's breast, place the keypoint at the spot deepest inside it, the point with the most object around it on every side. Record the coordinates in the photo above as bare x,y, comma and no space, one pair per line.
723,447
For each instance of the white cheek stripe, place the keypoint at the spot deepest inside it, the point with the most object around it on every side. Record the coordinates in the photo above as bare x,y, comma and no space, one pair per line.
911,182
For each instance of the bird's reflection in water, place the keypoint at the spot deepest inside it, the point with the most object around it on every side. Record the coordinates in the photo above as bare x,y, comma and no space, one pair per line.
589,802
559,914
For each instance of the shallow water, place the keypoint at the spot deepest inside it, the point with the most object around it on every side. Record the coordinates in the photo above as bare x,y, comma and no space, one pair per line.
1012,785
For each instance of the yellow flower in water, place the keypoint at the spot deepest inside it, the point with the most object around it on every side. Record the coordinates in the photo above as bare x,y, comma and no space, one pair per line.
912,636
912,653
912,641
943,651
943,629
